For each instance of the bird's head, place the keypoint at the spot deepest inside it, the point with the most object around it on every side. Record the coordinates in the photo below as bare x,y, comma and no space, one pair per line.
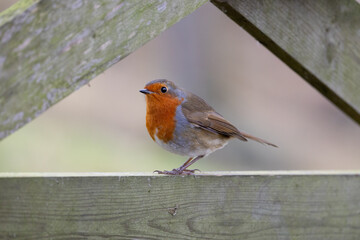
162,90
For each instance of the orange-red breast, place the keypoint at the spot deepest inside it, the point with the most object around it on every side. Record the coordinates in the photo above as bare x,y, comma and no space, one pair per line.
185,124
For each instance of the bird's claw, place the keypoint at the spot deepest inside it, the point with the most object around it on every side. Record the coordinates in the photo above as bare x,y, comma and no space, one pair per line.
178,171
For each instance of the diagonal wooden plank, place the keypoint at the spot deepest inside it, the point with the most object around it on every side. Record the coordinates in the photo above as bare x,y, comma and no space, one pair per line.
50,48
232,205
318,39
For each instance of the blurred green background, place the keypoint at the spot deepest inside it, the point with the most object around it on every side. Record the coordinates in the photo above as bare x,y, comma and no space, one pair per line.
102,127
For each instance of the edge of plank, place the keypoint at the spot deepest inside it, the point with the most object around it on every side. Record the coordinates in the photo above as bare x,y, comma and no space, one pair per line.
149,174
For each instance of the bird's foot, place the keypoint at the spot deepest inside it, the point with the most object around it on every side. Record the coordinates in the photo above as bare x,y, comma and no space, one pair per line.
178,171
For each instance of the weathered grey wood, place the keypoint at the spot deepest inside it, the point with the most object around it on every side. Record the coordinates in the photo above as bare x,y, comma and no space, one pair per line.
231,206
320,40
49,48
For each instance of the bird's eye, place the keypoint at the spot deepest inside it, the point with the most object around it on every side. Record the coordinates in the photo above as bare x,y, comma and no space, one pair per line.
163,89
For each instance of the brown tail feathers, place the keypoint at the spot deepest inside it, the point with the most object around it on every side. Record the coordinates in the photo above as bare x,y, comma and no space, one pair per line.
262,141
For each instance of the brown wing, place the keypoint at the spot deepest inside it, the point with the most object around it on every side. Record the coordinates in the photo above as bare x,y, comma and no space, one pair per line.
198,112
205,117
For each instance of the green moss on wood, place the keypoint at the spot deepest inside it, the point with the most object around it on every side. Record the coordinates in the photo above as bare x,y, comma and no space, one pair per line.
15,10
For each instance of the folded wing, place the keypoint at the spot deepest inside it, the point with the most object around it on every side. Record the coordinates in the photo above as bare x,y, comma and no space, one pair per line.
204,116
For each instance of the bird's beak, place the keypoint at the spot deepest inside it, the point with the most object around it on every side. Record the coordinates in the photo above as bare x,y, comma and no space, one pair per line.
145,91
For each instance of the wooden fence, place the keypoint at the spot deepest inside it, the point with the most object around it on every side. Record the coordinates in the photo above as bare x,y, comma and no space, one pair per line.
276,205
47,51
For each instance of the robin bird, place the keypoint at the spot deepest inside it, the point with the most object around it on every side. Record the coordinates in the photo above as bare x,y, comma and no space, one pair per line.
184,124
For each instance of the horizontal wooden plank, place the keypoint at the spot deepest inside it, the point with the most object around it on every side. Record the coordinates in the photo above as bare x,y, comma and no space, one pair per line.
222,206
50,48
317,39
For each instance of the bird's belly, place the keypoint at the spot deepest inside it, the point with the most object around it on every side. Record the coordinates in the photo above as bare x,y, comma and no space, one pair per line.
193,142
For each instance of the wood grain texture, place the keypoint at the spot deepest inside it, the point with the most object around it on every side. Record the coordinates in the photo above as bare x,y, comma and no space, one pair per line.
232,206
317,39
50,48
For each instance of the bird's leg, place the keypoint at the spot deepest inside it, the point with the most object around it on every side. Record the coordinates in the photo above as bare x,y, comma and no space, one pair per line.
185,163
188,163
182,170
